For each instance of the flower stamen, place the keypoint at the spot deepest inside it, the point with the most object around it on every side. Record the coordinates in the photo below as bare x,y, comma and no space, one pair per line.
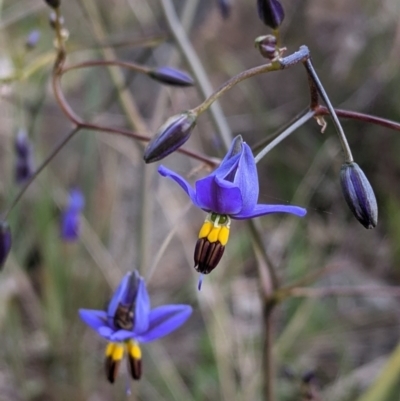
210,246
134,359
114,355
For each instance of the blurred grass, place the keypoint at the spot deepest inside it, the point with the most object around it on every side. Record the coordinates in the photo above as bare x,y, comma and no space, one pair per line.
48,354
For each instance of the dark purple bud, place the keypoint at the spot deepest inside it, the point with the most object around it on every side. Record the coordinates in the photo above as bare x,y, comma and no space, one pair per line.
22,144
53,3
267,46
271,12
359,194
171,76
170,136
225,7
32,39
24,164
5,242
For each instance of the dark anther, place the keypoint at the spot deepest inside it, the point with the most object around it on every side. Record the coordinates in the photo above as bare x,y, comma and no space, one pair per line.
111,368
135,367
207,255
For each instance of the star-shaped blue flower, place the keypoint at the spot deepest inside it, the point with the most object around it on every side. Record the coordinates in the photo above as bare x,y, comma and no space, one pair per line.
230,191
129,321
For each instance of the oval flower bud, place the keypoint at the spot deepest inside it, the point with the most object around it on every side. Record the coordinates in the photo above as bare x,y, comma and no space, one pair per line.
171,76
5,242
170,136
271,12
359,194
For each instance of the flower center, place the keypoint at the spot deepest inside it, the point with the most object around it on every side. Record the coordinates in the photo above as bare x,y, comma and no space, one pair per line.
123,318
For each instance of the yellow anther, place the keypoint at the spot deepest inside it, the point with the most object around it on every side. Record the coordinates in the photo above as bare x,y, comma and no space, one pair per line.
214,234
110,349
205,229
223,235
134,350
118,352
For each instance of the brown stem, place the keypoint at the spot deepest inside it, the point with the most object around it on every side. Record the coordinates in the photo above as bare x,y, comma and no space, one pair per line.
81,124
354,115
105,63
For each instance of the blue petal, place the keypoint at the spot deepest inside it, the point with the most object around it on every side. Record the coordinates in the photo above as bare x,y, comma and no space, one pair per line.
76,200
165,172
119,295
219,196
234,149
261,210
93,318
142,308
164,320
106,332
121,335
246,179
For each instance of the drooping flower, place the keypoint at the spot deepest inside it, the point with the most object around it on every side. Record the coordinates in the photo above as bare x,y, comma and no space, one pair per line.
129,321
230,191
70,220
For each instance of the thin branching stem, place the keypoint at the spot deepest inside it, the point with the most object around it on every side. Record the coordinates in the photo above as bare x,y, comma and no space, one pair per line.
342,137
289,130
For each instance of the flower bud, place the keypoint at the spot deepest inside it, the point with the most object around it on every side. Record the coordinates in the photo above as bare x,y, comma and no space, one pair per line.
359,194
53,3
5,242
267,46
271,12
170,136
24,165
32,39
171,76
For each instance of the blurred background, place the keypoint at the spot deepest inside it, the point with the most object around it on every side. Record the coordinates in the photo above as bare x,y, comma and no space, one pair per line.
334,346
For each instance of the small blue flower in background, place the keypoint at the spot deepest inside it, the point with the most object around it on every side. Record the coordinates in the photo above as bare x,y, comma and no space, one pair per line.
24,164
230,191
70,220
129,321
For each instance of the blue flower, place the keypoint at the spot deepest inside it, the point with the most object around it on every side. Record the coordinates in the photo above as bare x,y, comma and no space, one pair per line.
129,321
230,191
70,221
